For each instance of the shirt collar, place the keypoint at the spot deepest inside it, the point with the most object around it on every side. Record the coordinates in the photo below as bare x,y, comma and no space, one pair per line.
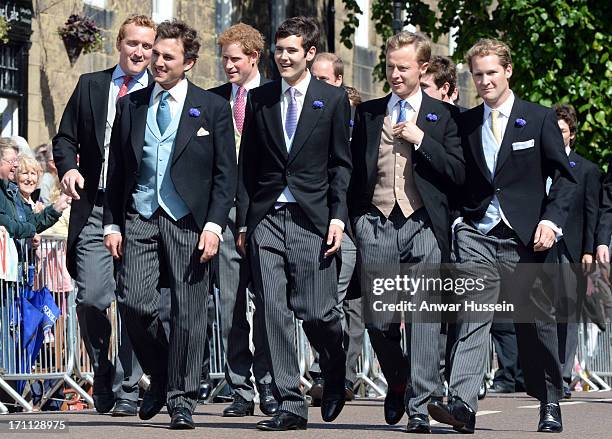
249,85
504,109
568,150
301,86
141,78
414,101
178,92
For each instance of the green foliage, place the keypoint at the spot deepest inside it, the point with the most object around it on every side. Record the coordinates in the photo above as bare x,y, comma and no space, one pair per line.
561,51
4,28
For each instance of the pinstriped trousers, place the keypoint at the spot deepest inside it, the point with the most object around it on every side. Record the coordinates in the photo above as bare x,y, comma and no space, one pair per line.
155,247
507,267
291,278
389,242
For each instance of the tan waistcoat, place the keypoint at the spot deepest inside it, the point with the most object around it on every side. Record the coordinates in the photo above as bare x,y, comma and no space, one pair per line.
394,178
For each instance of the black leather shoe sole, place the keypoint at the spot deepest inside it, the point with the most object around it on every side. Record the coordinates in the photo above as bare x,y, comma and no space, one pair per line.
268,409
104,403
265,427
550,428
442,415
124,411
182,425
238,413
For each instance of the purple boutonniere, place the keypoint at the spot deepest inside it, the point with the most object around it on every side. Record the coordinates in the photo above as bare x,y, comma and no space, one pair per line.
351,123
572,164
520,122
194,112
317,104
432,117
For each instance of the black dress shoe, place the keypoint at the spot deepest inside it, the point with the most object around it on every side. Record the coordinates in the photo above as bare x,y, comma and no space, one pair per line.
181,419
456,413
103,396
239,408
267,403
482,392
316,392
499,388
331,407
283,421
394,406
153,399
124,407
349,390
550,418
204,391
418,424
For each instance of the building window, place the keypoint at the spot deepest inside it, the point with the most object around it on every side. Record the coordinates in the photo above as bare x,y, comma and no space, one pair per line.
9,117
162,10
362,33
96,3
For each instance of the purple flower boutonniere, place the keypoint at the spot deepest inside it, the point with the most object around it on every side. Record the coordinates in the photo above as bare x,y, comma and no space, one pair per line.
572,164
317,105
520,122
431,117
194,112
351,123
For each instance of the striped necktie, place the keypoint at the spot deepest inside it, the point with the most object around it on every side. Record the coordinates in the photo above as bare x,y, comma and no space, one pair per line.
291,117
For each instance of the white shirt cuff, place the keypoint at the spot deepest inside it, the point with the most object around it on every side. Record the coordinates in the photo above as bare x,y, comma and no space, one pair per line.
109,229
214,228
338,223
601,246
242,230
556,229
416,146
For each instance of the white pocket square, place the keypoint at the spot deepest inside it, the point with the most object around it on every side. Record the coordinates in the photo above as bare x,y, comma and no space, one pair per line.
517,146
202,132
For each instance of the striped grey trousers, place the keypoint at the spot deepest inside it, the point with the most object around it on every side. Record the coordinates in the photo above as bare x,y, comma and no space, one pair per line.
291,278
161,248
385,243
509,268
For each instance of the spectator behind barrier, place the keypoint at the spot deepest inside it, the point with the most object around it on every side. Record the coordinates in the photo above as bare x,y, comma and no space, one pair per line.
49,179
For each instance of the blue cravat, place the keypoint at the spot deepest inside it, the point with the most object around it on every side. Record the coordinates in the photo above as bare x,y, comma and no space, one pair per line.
291,117
163,116
402,112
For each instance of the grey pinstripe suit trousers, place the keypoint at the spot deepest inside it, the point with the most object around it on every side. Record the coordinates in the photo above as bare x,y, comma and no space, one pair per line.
389,242
156,247
291,278
508,267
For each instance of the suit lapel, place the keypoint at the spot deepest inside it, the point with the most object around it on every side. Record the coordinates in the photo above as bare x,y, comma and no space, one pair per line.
374,129
308,118
510,135
98,93
271,113
474,130
188,124
138,116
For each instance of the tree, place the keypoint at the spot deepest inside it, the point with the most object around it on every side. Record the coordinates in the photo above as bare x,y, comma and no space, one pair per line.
561,51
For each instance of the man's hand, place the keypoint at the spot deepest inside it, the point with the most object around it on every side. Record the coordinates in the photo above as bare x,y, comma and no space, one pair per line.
71,180
241,244
334,238
603,254
36,241
114,244
587,263
409,131
62,203
209,243
543,239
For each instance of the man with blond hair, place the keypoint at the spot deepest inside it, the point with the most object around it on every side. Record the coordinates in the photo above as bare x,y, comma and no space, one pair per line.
406,156
241,47
80,149
509,223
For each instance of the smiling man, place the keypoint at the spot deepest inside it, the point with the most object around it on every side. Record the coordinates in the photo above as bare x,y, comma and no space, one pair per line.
406,154
509,223
241,47
171,183
80,150
294,171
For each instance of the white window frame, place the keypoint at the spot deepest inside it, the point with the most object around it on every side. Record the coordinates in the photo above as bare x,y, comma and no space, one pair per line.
101,4
362,32
162,10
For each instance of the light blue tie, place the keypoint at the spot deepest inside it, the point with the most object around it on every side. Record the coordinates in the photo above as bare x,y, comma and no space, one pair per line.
163,113
402,112
291,117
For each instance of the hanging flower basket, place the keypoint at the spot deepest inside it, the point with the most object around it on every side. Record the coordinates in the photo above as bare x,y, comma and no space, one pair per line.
4,28
80,34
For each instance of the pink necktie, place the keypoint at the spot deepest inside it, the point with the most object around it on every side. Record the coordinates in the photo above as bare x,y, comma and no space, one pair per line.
239,107
124,87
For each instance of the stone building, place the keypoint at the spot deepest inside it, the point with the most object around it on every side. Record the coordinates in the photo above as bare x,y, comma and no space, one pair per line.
37,78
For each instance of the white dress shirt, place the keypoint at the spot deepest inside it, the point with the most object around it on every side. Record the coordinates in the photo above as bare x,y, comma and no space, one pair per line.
413,106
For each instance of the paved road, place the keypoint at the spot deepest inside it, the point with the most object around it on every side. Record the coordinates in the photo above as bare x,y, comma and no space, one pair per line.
587,415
